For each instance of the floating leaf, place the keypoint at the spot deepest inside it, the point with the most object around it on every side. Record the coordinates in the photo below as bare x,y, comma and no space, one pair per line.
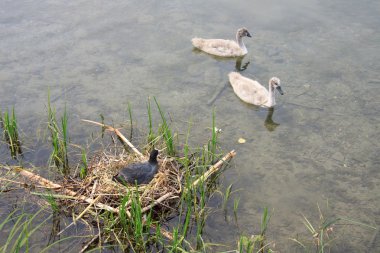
241,140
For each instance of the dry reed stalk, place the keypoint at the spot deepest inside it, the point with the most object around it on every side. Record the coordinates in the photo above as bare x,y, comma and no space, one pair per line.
49,184
117,132
75,219
85,247
94,189
158,201
214,168
23,184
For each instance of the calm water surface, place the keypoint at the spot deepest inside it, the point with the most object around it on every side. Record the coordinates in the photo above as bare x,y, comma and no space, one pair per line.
321,145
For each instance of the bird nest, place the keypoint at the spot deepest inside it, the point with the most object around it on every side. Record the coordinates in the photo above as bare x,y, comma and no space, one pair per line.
105,165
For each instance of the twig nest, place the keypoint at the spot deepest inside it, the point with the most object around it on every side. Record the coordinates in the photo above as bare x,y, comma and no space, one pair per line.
106,165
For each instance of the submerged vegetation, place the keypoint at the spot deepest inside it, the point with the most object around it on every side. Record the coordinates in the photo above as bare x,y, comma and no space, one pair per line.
167,215
21,227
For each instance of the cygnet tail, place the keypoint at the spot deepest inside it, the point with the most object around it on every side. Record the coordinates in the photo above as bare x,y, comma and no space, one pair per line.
197,42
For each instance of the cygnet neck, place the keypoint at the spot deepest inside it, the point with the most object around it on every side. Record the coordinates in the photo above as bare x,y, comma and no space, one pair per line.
240,42
271,97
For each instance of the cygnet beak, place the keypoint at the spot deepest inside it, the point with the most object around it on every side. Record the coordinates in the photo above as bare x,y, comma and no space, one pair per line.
248,35
280,90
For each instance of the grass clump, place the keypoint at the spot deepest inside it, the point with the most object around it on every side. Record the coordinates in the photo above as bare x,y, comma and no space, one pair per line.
59,138
321,235
257,243
9,124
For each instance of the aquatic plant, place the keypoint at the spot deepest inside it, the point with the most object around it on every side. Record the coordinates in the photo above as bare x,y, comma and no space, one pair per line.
9,124
21,229
322,234
236,206
213,141
166,132
226,196
130,120
151,136
59,138
84,165
256,243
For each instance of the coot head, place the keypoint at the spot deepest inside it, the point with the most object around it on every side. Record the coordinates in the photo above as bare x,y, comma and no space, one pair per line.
153,156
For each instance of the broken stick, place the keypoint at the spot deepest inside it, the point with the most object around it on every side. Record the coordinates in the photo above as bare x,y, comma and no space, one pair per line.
214,168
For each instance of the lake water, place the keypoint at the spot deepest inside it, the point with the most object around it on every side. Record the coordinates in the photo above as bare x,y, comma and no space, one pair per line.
321,145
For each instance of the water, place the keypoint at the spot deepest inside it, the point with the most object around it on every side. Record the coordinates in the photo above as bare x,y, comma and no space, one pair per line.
97,56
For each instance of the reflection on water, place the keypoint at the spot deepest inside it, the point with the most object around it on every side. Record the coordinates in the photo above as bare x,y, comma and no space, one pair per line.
96,57
269,123
238,65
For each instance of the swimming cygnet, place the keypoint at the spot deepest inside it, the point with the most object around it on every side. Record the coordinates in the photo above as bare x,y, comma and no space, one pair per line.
140,173
224,48
252,92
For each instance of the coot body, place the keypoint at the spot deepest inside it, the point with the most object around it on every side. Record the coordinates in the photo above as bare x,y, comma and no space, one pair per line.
140,173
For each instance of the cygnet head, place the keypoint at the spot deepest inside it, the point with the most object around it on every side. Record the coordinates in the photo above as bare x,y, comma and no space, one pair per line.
243,32
275,83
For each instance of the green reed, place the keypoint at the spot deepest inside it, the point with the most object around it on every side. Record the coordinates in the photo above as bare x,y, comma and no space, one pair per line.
59,138
226,196
166,132
201,213
213,142
186,197
53,202
256,243
264,222
22,228
9,124
322,234
246,244
103,125
236,206
151,135
176,241
136,228
130,119
84,165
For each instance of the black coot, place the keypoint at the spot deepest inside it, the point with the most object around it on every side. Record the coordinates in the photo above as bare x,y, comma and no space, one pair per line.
140,173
